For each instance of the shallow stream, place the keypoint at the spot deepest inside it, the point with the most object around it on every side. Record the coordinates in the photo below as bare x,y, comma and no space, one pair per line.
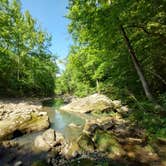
63,122
68,123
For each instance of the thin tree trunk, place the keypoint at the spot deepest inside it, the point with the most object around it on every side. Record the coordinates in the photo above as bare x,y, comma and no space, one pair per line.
137,65
97,86
18,68
18,60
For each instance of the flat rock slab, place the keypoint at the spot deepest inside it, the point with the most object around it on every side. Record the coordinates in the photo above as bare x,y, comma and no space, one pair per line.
23,125
96,102
20,116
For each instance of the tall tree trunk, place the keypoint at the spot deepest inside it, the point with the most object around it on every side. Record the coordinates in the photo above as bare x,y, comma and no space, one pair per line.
137,65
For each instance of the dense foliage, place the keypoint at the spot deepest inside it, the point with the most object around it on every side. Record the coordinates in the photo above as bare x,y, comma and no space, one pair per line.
100,59
27,66
119,49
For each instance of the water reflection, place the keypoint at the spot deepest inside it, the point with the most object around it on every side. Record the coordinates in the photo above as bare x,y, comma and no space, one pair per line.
60,121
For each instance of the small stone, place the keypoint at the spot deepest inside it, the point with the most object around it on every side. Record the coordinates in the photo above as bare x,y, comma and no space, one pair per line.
131,155
74,125
18,163
42,113
124,109
116,104
75,154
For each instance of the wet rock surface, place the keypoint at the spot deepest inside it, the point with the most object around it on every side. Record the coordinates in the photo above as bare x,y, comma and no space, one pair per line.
20,117
110,133
119,139
48,140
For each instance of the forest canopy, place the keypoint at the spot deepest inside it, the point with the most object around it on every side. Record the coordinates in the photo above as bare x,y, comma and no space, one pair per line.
119,48
27,67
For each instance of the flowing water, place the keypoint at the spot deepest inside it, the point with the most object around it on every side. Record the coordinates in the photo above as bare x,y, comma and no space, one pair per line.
68,123
62,122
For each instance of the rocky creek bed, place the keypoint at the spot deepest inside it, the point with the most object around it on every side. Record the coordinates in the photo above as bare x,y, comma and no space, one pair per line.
105,136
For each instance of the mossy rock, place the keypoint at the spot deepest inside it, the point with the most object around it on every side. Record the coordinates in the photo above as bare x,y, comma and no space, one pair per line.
73,150
22,124
36,123
106,142
92,103
85,143
145,154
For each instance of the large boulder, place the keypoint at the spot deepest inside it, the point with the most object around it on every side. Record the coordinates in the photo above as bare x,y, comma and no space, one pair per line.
11,108
21,124
49,136
96,102
46,141
105,123
83,144
41,144
20,116
49,140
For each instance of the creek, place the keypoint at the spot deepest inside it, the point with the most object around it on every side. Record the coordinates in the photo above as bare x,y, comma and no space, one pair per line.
61,121
68,123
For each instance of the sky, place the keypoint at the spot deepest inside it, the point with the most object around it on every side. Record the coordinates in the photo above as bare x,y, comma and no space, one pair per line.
50,14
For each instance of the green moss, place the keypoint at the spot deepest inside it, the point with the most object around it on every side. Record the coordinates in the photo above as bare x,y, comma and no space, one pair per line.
106,142
23,125
86,143
36,121
72,149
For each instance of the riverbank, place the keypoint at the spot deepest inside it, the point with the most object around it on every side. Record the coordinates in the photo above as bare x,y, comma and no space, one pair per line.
113,134
105,135
18,117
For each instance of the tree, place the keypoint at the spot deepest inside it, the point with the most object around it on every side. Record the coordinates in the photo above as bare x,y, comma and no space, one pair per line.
25,60
103,25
